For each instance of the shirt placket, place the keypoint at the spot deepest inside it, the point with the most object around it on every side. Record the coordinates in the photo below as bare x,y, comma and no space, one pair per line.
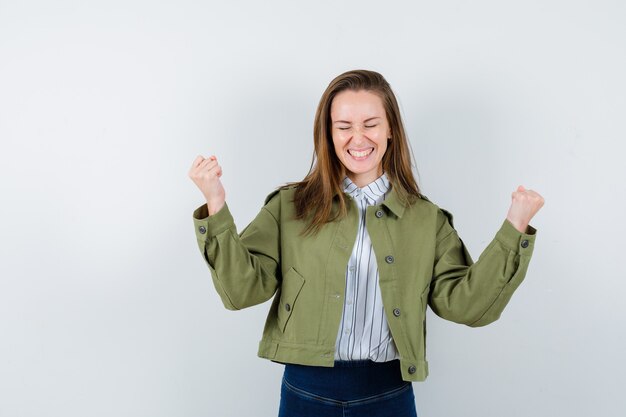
346,341
351,288
348,314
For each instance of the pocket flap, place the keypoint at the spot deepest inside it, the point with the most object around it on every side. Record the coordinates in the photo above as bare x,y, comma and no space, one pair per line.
291,286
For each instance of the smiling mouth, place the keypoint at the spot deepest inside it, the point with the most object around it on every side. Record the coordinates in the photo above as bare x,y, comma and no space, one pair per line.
360,154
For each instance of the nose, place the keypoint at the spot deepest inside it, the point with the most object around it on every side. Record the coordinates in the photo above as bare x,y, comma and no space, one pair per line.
359,131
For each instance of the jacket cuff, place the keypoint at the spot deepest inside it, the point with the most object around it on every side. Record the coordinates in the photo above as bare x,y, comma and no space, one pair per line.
207,226
515,240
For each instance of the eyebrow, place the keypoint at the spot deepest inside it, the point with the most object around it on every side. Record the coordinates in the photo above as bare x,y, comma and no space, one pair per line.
366,120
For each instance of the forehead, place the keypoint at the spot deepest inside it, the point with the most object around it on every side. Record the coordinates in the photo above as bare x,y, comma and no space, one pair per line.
356,104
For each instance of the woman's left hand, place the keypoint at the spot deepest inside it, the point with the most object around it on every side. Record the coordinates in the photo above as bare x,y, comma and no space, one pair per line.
525,204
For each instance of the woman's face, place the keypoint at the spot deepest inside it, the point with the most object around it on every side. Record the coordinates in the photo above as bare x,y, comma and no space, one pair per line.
360,130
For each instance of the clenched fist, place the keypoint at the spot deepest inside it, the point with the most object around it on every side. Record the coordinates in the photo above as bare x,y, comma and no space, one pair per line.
206,173
525,204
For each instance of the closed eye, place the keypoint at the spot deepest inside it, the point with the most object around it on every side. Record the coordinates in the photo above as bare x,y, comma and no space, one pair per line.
346,128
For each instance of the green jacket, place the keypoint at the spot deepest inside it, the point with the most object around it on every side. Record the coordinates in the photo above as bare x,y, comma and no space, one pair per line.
421,261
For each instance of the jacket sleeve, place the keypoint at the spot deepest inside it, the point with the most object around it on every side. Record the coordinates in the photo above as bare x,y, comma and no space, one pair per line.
245,266
471,293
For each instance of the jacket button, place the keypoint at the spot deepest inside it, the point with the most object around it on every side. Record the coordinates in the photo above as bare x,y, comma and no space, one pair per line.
412,369
287,307
396,312
524,243
379,213
389,259
202,229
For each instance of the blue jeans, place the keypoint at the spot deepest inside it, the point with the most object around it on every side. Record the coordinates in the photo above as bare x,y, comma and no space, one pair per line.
356,388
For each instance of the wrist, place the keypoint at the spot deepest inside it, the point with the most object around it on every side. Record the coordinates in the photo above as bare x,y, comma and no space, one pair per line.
214,208
522,227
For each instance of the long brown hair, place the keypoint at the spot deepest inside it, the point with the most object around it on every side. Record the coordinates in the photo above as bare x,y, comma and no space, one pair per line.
315,193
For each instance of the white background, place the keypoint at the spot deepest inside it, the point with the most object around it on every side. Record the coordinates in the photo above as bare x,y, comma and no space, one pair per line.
106,305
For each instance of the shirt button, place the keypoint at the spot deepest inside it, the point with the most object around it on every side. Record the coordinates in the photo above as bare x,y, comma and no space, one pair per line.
347,331
349,302
396,312
412,369
389,259
524,243
352,268
202,229
379,213
287,307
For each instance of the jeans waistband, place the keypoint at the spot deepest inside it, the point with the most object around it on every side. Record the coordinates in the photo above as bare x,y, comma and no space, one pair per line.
346,379
362,362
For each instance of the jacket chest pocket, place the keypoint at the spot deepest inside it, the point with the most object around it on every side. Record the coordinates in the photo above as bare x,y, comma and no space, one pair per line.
289,291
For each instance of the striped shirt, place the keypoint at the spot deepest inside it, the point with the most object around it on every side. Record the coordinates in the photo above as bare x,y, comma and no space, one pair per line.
364,332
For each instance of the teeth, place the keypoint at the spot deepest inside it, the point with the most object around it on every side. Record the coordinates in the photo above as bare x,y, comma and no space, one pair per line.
360,154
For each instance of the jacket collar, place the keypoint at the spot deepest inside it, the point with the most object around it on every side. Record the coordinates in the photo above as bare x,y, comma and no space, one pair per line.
393,202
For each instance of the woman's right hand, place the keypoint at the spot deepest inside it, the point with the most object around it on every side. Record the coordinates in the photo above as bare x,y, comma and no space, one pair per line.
206,173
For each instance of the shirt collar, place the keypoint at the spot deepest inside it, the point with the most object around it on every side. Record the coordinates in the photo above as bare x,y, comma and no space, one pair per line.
373,193
392,201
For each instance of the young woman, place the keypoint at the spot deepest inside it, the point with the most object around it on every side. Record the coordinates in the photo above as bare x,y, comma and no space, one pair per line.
353,254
